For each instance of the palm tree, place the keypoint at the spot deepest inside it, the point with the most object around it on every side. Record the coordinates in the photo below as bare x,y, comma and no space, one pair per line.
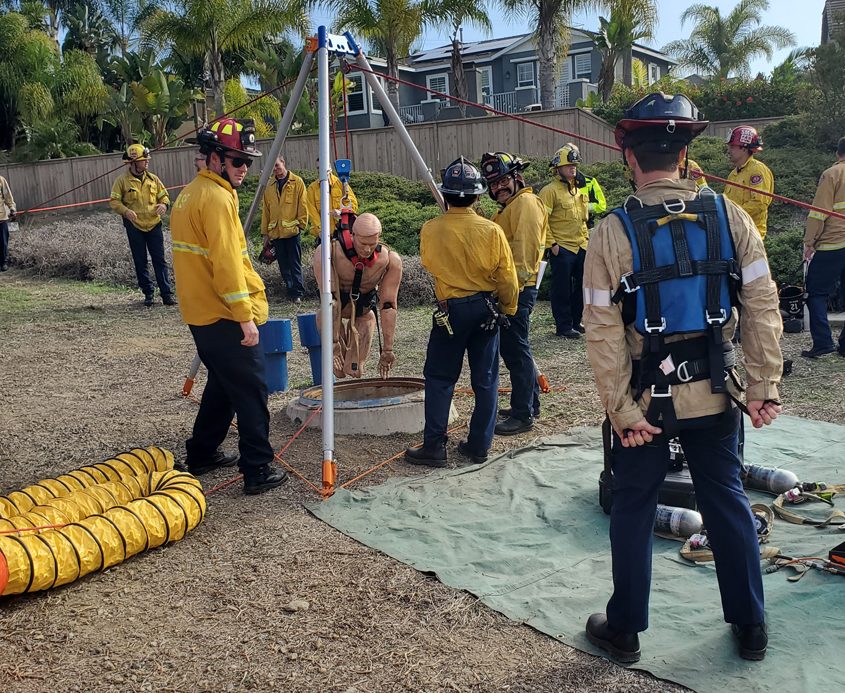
456,13
208,28
127,17
553,19
630,21
390,27
724,46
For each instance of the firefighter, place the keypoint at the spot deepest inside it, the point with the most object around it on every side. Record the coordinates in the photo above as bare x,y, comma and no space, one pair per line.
141,199
568,209
8,212
475,285
742,143
523,218
690,169
659,277
589,186
223,302
824,250
284,215
336,191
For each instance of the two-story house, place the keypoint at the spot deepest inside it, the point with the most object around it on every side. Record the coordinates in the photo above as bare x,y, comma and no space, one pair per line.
502,73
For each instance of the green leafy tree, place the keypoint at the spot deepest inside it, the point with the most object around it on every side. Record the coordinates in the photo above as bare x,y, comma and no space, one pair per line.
552,19
390,27
630,21
725,46
260,111
209,28
121,112
827,74
127,16
163,102
90,31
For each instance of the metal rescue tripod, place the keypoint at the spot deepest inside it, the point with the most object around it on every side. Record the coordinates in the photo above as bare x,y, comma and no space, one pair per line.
340,47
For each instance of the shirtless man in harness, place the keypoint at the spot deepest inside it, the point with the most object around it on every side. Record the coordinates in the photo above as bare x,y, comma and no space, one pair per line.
365,279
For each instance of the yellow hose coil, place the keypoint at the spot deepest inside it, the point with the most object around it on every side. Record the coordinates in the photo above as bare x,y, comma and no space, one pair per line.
106,513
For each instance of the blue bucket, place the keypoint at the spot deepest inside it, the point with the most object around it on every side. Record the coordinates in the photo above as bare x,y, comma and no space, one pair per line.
276,340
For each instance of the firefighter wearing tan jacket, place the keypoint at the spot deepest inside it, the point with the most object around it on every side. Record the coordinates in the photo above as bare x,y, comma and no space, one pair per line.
659,322
223,302
523,217
824,249
284,215
7,202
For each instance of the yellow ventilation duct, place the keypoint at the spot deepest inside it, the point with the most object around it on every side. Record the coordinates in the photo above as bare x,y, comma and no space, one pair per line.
94,518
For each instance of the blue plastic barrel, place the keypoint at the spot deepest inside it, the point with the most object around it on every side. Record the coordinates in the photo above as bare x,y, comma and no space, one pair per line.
276,338
309,337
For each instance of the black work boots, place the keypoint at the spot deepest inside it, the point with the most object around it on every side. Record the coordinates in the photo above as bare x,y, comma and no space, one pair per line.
434,456
263,479
208,464
623,647
752,640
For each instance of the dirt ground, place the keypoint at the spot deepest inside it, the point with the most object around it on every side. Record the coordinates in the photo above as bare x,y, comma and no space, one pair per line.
87,371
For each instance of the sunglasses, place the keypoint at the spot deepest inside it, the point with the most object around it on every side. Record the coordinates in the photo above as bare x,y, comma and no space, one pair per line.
237,162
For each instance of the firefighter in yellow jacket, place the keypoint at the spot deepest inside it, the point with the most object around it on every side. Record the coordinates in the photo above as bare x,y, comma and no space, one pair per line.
824,249
141,199
475,286
284,215
568,208
223,302
523,218
336,192
742,143
691,170
659,333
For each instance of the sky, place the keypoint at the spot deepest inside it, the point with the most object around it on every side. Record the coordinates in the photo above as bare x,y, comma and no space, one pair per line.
803,18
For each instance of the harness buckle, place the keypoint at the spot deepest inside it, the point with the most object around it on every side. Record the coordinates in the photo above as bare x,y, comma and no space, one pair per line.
676,207
713,320
682,372
626,280
650,329
655,393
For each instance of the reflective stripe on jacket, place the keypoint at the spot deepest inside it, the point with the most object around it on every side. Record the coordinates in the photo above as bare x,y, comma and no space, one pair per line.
754,174
466,254
284,215
215,279
568,212
141,195
825,232
314,206
611,345
526,225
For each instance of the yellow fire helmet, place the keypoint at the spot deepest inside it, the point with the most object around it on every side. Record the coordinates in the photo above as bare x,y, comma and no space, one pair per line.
136,152
567,155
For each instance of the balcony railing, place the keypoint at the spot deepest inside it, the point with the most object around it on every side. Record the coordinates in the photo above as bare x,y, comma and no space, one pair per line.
504,101
411,114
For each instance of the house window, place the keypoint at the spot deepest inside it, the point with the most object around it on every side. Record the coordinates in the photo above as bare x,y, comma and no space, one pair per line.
583,66
485,80
355,102
653,73
438,82
525,75
375,106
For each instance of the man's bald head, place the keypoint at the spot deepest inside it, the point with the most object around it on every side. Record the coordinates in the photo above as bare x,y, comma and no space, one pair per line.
365,234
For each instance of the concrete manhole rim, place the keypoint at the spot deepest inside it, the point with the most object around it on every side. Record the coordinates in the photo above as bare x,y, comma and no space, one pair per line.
312,397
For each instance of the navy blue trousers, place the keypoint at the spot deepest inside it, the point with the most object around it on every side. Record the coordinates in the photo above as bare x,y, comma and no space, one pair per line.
153,241
711,454
4,242
516,353
289,257
443,363
567,292
827,267
236,385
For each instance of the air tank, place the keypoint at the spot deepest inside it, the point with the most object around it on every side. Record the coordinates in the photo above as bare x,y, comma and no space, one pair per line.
768,479
681,522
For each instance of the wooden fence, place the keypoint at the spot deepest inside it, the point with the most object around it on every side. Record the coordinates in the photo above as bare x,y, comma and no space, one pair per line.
377,149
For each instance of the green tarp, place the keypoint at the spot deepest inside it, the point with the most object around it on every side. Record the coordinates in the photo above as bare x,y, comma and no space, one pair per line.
525,534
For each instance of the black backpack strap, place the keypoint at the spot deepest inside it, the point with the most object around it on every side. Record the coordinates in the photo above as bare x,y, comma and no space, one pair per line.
714,313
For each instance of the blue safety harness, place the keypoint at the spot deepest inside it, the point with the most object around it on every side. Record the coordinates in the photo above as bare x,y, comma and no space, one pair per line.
684,281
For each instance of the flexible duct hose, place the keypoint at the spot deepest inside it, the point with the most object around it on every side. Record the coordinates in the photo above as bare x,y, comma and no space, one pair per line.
104,523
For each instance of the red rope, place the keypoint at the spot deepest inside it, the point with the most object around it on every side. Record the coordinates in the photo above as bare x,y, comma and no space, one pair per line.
332,126
345,114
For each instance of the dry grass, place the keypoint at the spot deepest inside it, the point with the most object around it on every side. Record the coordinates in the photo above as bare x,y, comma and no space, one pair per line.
87,371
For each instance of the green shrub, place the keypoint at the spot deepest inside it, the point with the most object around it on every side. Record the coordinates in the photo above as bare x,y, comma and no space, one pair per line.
785,251
401,223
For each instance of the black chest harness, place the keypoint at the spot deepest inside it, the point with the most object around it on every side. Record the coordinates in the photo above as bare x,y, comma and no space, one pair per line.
684,281
343,235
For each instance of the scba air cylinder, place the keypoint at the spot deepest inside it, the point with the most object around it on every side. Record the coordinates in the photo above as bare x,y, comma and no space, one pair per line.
680,522
768,479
